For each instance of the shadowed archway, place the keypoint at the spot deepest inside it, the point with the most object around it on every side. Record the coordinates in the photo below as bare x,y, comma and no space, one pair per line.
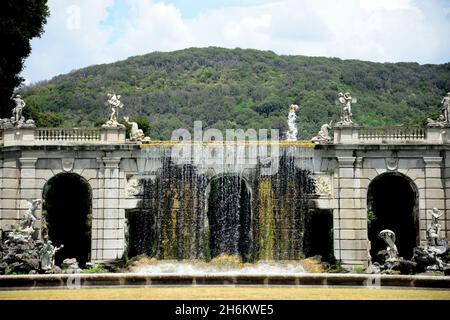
392,203
67,213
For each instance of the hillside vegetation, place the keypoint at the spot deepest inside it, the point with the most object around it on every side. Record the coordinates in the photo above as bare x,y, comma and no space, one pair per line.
238,88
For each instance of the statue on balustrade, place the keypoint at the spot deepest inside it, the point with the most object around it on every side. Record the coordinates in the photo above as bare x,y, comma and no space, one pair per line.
115,104
17,120
345,101
444,117
324,134
446,108
136,134
18,110
291,134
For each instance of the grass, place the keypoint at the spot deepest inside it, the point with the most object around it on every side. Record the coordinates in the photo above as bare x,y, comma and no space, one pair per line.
232,292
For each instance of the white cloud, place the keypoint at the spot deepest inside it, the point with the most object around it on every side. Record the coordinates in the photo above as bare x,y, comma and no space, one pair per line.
386,30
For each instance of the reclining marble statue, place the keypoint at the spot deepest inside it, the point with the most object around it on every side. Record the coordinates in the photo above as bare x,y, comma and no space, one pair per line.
136,134
324,134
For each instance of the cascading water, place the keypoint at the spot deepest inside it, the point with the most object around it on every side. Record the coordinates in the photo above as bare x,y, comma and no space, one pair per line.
229,217
170,215
281,206
185,214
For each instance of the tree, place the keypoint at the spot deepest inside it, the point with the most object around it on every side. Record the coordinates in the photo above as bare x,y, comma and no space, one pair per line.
20,21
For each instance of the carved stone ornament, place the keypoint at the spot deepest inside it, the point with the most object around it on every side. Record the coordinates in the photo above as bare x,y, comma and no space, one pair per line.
133,188
323,185
67,164
392,164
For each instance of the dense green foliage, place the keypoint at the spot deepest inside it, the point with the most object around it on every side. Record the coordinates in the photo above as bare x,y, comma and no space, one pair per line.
20,21
243,89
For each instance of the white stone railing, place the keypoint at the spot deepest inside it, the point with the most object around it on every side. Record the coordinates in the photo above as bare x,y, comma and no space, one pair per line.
63,134
392,134
352,134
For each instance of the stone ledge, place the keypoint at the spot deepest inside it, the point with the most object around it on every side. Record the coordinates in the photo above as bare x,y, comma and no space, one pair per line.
134,279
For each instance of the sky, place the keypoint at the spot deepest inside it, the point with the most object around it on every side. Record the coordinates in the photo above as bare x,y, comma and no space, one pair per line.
80,33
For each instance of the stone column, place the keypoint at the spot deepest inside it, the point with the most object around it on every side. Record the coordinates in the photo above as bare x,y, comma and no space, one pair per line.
113,134
9,193
108,240
350,217
446,180
434,195
18,136
346,134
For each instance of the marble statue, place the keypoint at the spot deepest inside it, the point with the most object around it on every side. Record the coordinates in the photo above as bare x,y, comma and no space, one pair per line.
18,110
389,238
345,101
324,134
115,104
17,120
47,255
435,228
29,217
18,236
291,134
446,108
444,118
136,134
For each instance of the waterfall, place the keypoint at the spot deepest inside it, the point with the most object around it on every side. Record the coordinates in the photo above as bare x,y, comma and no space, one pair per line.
281,207
229,216
186,214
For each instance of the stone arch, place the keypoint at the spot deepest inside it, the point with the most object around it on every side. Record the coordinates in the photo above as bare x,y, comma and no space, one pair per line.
229,215
393,203
67,216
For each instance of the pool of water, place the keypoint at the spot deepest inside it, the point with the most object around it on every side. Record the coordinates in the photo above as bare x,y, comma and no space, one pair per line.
200,268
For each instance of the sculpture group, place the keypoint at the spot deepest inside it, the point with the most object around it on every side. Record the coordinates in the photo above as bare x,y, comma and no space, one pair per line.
22,251
444,118
136,134
17,120
427,257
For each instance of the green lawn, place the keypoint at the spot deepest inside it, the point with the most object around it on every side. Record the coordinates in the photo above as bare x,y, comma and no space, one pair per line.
222,292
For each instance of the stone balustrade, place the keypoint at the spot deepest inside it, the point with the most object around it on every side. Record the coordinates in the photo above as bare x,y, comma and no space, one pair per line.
61,136
64,134
352,134
392,134
343,134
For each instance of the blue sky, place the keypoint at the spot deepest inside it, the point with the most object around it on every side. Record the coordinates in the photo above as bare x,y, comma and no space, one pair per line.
80,33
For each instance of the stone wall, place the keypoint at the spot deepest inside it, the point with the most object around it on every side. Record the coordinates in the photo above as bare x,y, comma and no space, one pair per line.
346,171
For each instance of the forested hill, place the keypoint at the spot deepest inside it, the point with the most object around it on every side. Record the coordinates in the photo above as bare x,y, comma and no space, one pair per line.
239,89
